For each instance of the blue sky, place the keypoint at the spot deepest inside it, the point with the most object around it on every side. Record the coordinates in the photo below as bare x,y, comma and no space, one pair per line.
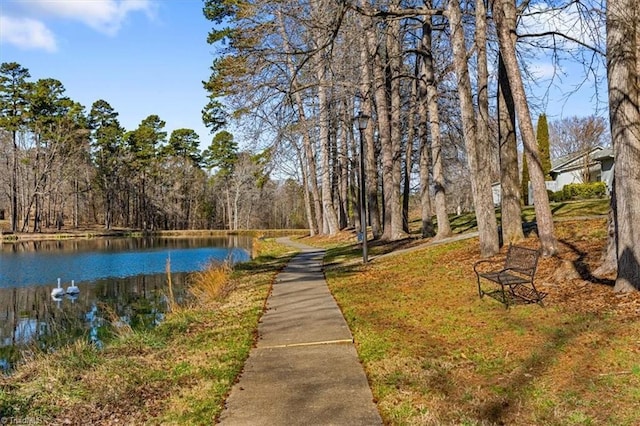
143,57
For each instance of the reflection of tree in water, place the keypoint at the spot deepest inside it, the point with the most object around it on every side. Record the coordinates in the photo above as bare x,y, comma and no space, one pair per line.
105,245
31,320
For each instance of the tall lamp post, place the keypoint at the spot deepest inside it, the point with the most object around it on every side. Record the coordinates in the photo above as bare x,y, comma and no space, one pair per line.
362,120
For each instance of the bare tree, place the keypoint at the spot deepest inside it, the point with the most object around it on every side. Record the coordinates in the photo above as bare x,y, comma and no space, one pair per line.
308,153
504,12
573,135
480,184
392,153
578,136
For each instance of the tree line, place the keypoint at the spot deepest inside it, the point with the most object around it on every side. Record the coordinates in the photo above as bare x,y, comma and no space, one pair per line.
64,166
445,84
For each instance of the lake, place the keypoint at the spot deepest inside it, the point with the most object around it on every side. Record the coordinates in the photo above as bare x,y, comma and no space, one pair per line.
121,280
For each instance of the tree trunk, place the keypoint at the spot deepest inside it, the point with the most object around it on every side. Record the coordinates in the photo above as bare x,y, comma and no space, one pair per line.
609,259
328,209
371,161
424,125
484,147
408,160
383,114
509,173
14,184
480,183
371,168
394,155
504,13
354,186
623,66
229,209
312,176
425,195
431,94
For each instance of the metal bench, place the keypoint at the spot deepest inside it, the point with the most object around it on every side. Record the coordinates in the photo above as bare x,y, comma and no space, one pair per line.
514,277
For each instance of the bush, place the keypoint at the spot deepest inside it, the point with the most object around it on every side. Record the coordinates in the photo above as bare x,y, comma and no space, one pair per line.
555,197
580,191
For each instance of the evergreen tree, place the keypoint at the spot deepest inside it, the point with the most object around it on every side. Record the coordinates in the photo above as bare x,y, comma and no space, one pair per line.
525,182
108,155
222,153
543,145
184,143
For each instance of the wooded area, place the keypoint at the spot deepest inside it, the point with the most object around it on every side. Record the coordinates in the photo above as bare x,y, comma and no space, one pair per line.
63,167
446,85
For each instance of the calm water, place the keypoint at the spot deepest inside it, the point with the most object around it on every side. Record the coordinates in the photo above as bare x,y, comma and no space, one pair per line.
121,281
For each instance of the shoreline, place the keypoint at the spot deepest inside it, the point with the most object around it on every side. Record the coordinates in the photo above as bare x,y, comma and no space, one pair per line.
137,233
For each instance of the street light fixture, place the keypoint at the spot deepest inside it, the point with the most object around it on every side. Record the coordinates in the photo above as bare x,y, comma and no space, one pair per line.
362,120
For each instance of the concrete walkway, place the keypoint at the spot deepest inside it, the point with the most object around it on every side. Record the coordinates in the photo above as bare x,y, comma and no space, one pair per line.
304,369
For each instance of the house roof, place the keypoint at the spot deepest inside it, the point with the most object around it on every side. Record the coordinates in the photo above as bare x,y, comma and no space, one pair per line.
575,160
603,154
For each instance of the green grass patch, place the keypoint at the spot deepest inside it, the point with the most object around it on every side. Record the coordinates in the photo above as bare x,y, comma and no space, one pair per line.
561,210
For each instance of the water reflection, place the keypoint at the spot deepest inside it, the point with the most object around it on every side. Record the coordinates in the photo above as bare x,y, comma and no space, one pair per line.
124,283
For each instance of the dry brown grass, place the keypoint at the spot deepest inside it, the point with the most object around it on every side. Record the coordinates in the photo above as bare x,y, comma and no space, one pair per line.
212,283
437,354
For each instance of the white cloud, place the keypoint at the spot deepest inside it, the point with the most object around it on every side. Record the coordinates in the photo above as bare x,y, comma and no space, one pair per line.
106,16
544,71
26,33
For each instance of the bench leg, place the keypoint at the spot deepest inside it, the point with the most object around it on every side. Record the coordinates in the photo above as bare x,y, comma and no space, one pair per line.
538,296
505,300
480,292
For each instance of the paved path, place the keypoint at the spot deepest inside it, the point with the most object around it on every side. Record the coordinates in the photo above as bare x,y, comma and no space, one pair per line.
304,369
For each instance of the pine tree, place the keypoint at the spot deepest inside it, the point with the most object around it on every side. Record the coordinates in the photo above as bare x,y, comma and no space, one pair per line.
14,89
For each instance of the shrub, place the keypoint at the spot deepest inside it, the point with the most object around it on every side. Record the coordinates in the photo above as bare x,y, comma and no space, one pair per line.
581,191
555,197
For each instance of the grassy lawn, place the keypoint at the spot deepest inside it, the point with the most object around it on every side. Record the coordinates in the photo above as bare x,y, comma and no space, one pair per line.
436,354
567,209
178,373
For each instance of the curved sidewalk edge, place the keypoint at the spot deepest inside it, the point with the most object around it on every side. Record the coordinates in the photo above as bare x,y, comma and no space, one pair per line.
304,369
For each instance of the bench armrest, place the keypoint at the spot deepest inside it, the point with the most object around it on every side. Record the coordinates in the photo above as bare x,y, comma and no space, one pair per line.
486,261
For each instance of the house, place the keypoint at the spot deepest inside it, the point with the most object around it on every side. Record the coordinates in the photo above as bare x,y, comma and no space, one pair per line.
597,162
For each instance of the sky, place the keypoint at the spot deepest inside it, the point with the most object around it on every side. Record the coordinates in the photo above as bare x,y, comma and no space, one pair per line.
567,86
141,56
